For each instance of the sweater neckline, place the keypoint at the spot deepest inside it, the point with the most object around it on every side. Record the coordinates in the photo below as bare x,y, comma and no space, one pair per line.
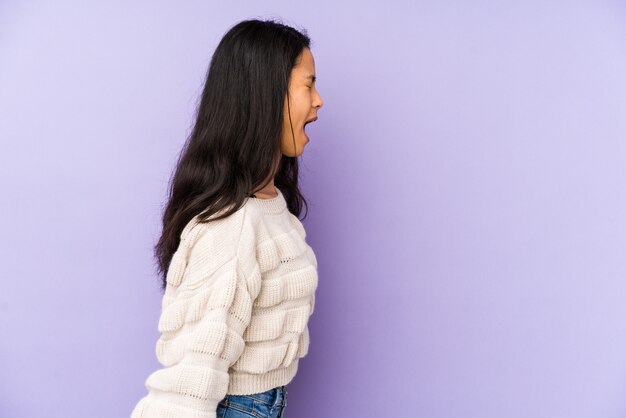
274,204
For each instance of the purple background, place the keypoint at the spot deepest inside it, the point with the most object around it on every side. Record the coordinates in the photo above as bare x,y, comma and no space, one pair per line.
466,189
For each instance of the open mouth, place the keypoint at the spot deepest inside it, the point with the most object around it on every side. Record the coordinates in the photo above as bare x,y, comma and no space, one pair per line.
305,124
309,121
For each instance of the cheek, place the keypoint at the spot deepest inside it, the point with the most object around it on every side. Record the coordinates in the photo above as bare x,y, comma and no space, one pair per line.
302,104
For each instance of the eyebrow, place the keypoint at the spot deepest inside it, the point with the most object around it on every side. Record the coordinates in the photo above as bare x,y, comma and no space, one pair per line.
312,77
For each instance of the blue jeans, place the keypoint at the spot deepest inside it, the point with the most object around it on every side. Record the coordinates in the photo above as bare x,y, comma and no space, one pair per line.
269,404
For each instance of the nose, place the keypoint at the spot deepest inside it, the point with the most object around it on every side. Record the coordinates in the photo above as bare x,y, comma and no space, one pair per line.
319,102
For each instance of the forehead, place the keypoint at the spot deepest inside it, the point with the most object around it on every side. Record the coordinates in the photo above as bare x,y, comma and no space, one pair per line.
305,66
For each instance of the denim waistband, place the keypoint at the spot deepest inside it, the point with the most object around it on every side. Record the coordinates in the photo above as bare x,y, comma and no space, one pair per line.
273,396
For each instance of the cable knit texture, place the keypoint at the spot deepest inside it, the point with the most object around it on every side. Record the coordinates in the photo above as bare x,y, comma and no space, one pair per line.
234,316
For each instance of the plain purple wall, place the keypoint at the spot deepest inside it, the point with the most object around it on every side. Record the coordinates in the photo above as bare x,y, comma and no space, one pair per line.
466,182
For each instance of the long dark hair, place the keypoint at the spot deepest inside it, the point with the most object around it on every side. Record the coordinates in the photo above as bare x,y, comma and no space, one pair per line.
234,146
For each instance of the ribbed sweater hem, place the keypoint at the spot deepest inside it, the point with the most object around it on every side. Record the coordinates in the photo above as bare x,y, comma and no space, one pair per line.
246,384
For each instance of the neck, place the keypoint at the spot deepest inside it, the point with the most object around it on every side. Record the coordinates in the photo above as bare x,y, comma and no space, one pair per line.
269,190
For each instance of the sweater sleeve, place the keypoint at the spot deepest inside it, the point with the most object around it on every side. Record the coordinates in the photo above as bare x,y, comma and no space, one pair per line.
205,310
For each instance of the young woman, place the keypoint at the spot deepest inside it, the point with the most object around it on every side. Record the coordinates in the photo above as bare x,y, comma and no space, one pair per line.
238,276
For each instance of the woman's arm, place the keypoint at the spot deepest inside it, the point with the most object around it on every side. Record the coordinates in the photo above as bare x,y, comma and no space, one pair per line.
206,309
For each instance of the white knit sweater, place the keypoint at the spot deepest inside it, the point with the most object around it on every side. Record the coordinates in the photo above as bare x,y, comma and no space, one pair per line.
234,317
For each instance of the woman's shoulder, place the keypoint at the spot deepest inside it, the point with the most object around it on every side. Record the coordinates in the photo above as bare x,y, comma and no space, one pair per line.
245,229
244,226
207,246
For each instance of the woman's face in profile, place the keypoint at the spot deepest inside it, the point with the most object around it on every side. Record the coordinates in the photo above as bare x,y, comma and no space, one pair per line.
304,103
